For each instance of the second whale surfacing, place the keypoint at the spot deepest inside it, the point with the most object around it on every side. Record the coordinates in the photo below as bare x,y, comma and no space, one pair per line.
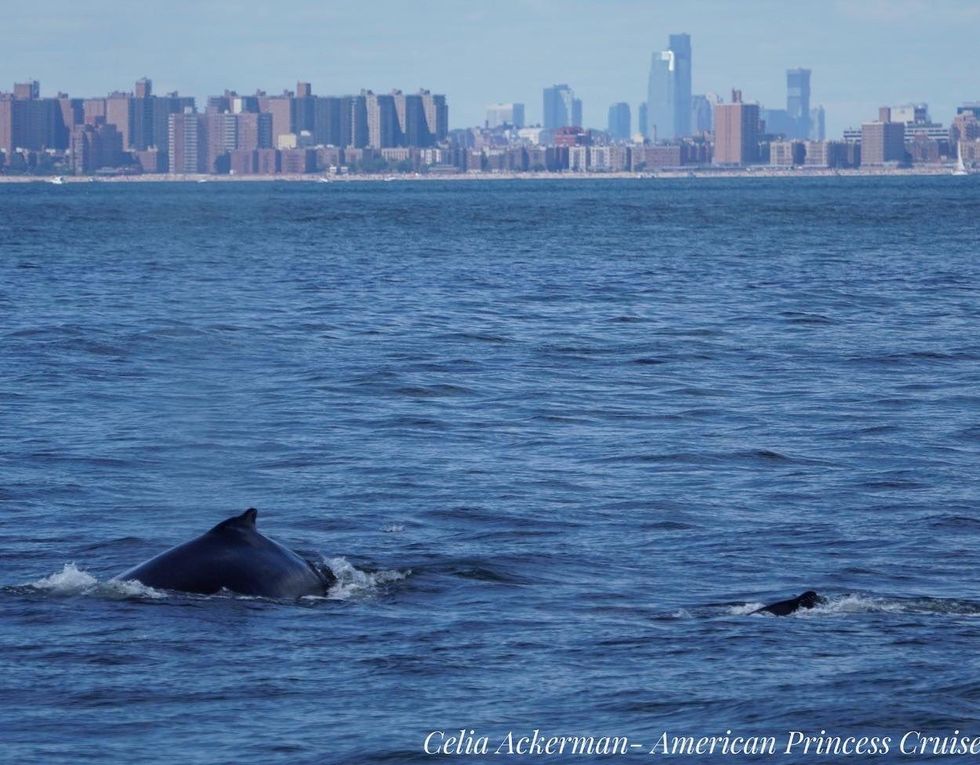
808,599
233,556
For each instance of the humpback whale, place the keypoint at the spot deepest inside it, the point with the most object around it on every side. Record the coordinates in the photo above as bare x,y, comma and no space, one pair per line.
233,556
808,599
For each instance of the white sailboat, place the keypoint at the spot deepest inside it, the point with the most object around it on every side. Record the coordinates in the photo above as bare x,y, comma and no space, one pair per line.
960,164
57,180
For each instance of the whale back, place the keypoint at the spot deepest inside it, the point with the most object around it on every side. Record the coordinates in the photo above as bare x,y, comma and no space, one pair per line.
232,556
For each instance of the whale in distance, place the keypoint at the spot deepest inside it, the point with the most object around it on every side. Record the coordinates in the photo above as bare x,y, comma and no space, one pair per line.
233,556
808,599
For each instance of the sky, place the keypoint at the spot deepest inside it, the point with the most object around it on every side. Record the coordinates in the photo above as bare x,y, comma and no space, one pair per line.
863,53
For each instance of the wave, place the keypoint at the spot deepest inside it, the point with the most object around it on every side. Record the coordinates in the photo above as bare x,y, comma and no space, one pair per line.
352,584
864,603
72,580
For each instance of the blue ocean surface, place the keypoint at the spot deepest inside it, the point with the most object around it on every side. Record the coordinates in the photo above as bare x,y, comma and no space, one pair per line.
557,440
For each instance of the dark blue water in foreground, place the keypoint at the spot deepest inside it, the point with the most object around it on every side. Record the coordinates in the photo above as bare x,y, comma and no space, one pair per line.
555,438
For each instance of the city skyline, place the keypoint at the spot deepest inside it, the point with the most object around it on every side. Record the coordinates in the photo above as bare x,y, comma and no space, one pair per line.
478,58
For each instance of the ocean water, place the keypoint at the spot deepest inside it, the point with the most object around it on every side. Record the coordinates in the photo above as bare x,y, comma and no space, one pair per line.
557,440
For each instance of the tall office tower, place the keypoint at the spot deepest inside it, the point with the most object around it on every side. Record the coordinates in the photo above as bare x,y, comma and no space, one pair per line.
701,113
669,91
558,107
619,121
660,96
798,100
641,116
681,46
382,120
818,124
500,115
436,115
576,112
188,143
736,132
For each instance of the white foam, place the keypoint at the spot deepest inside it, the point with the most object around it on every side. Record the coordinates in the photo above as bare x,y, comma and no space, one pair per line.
353,583
71,580
393,528
129,589
746,608
860,604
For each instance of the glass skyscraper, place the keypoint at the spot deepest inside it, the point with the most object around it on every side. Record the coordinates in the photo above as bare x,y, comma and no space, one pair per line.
798,100
619,121
669,91
559,107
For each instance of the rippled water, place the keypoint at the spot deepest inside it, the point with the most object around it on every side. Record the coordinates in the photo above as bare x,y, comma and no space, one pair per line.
557,440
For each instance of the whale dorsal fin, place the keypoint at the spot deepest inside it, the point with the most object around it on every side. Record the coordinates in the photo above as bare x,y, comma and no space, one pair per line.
244,522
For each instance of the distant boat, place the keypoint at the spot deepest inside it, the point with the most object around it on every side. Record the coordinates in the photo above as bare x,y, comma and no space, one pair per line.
202,180
960,164
57,180
323,180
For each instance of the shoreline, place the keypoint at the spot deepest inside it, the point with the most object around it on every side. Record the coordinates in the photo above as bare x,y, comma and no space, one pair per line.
753,172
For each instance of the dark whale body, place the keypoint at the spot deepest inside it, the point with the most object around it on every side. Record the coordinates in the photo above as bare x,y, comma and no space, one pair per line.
808,599
232,556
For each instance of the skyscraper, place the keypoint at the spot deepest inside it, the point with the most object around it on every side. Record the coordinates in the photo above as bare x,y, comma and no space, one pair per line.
701,114
681,46
619,121
499,115
798,100
558,107
669,91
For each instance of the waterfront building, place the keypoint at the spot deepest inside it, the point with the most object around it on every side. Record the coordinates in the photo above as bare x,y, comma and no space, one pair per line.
965,127
736,132
382,120
786,153
436,115
30,122
281,109
94,146
882,141
578,158
669,91
188,143
619,121
656,157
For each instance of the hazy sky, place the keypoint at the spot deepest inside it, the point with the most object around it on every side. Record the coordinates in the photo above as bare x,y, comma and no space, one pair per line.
863,53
